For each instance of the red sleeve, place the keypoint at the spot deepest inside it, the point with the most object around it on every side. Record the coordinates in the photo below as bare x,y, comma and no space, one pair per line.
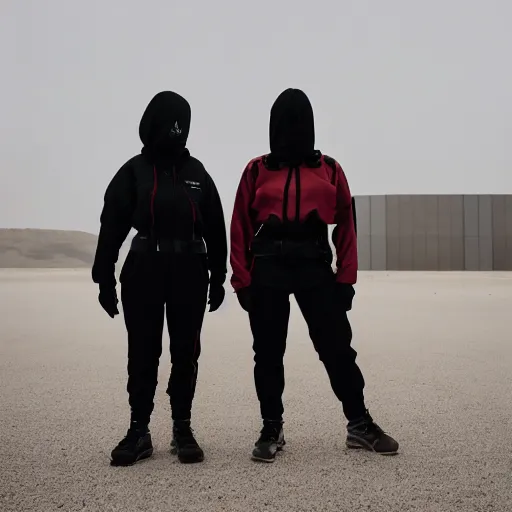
344,235
242,232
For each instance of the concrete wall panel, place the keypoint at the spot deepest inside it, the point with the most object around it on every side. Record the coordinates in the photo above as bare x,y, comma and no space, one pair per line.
363,215
485,253
446,232
444,220
431,215
485,232
363,252
471,253
443,215
392,216
406,232
393,252
432,233
378,232
379,252
378,215
471,216
456,232
432,253
499,239
485,216
508,216
508,232
392,233
419,241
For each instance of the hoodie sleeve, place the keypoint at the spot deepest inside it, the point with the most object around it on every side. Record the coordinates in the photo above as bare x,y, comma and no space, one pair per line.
344,234
215,233
242,232
116,222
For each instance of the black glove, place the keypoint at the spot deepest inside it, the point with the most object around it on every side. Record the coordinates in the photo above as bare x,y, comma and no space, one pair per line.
244,298
216,297
108,300
345,293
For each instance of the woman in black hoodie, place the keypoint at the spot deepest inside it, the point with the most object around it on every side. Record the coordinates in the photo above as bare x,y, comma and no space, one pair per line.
279,246
179,251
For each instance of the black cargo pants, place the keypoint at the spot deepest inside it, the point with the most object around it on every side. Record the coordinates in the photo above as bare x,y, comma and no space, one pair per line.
329,330
155,286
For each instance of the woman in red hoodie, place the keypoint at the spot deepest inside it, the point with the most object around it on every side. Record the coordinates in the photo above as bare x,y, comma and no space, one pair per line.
280,246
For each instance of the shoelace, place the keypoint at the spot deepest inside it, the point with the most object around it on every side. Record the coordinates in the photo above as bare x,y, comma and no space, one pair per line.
373,427
185,436
132,436
269,434
369,426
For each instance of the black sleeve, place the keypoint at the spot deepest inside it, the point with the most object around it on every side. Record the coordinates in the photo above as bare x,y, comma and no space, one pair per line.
116,222
214,232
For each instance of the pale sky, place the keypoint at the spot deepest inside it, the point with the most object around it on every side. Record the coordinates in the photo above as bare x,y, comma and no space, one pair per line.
409,96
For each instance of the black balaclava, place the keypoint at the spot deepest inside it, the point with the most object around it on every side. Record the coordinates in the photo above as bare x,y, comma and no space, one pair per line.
164,128
292,128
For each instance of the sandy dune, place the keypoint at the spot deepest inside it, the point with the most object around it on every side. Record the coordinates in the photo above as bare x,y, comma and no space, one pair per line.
46,248
436,351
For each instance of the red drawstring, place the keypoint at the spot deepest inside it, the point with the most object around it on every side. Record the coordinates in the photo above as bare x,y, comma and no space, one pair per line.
191,206
153,194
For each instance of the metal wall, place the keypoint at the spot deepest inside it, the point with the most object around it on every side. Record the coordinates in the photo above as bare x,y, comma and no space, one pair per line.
434,232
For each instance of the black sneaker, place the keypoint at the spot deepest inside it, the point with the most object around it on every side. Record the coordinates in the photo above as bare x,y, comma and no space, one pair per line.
135,446
270,442
366,434
184,444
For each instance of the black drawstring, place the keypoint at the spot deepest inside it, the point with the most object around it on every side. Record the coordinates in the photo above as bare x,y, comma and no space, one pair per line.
287,191
152,236
297,193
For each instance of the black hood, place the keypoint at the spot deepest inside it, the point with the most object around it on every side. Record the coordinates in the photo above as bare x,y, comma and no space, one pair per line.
292,127
165,126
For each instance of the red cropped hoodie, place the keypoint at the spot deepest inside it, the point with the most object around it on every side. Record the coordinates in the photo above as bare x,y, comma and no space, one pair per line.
291,193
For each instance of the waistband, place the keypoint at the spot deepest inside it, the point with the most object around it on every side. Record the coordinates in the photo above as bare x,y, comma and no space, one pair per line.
167,245
287,248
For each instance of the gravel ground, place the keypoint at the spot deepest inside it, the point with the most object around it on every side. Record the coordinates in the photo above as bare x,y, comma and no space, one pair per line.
435,349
